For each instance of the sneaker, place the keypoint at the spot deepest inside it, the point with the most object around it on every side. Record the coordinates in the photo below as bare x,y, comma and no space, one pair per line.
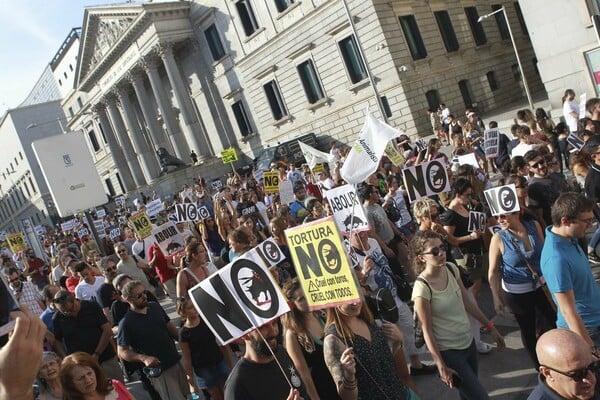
484,348
593,258
425,369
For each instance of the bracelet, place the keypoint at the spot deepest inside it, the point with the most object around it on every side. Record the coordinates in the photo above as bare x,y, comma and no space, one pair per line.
490,325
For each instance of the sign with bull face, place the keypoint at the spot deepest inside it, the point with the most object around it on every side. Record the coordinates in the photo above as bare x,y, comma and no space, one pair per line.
502,200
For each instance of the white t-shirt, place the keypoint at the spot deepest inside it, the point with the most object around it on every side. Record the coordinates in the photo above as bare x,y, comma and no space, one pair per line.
521,149
405,216
569,107
85,291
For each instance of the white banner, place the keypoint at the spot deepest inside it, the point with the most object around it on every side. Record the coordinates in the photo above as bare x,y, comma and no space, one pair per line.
239,298
154,207
286,192
314,156
367,150
490,142
342,200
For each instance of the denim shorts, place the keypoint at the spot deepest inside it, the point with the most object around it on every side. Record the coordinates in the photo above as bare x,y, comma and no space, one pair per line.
209,377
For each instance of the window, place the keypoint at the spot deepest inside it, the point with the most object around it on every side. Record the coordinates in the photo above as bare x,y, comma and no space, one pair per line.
413,37
71,112
275,100
12,168
492,81
516,72
110,187
120,183
283,5
521,19
59,82
446,30
20,155
16,162
247,16
71,67
310,81
94,140
214,43
386,106
32,185
241,117
102,133
476,27
501,22
433,99
465,91
79,102
352,59
27,189
65,74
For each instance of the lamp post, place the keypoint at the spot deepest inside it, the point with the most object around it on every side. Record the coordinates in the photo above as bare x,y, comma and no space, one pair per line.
512,39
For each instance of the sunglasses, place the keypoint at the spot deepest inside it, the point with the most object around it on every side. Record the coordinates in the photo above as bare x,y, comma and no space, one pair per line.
110,269
579,374
60,299
436,250
537,164
138,296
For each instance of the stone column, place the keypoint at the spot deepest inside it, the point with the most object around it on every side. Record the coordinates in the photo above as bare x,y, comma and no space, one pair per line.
166,109
121,133
192,129
115,150
156,132
145,156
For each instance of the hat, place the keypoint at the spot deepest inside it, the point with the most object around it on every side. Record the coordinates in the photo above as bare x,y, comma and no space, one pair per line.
403,138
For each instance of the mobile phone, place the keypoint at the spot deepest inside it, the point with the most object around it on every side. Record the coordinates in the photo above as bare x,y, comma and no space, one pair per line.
8,304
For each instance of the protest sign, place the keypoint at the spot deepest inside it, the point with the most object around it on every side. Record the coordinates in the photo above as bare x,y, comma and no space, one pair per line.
186,212
16,242
314,156
426,179
318,168
114,234
490,142
168,238
120,201
575,141
502,200
477,221
394,155
239,298
101,213
99,225
83,232
321,263
271,182
67,226
154,207
421,145
494,228
229,155
40,230
140,222
342,200
203,212
468,159
216,184
286,192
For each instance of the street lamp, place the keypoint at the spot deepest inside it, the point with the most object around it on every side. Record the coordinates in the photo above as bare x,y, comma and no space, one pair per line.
512,39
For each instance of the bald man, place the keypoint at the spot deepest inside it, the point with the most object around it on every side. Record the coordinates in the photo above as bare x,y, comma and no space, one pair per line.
567,367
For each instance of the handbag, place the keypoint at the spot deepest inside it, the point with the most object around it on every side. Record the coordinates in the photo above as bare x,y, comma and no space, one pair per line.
403,287
534,274
392,211
381,303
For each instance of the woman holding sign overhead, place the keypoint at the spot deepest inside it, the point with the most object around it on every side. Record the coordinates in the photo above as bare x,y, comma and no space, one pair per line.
515,276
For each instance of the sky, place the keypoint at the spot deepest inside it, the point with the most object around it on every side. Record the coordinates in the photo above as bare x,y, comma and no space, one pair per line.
31,32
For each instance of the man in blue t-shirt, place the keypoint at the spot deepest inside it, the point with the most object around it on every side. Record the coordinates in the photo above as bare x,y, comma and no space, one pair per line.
566,268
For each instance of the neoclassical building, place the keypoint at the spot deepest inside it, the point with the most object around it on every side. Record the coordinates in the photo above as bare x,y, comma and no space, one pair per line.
206,76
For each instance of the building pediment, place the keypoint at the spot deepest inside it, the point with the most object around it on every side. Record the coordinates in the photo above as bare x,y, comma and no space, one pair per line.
108,31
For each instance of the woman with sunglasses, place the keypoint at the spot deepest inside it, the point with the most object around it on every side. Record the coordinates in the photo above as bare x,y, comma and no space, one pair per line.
514,251
442,304
304,343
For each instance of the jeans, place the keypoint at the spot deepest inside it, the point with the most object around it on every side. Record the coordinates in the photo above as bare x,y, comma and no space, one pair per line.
594,241
464,362
563,146
534,314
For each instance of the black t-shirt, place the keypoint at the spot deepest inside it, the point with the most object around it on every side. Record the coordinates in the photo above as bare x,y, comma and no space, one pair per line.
203,346
252,381
83,331
543,192
461,228
148,334
106,295
592,186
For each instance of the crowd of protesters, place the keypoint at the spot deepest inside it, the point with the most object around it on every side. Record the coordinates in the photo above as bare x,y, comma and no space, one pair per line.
101,302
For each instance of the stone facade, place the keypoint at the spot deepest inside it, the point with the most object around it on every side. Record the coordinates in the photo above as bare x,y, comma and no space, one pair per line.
214,74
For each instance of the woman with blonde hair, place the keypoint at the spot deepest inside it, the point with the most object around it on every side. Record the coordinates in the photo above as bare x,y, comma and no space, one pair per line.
82,378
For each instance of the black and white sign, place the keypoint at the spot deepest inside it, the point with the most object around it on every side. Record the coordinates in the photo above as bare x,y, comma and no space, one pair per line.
83,232
343,200
114,234
67,226
120,201
421,145
286,192
168,238
490,142
203,212
154,207
426,179
216,184
99,225
502,200
186,212
494,228
575,141
239,298
477,221
269,252
101,213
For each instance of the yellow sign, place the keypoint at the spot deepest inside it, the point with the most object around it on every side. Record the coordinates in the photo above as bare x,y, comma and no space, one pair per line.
320,167
321,263
394,155
16,242
140,222
229,155
271,182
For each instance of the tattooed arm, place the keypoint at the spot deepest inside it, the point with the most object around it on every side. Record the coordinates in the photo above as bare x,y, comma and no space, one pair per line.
341,364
